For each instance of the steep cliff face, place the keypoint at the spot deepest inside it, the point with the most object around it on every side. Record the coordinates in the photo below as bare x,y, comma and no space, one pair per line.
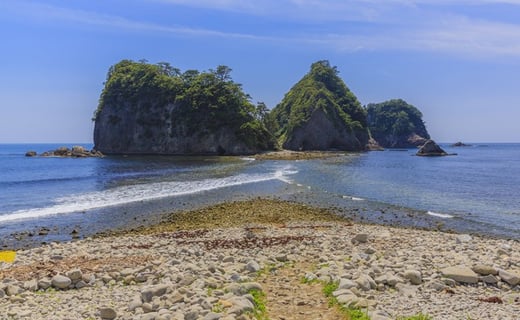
153,109
396,124
321,113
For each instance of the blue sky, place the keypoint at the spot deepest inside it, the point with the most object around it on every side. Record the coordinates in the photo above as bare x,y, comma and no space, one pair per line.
458,61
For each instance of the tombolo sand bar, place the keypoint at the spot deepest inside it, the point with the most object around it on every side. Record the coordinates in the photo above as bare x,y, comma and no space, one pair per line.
264,259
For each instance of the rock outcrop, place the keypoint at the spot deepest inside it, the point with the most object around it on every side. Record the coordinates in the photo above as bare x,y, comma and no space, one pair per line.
321,113
431,149
74,152
460,144
154,109
396,124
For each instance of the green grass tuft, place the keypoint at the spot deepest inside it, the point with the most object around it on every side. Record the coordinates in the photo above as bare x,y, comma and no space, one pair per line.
260,311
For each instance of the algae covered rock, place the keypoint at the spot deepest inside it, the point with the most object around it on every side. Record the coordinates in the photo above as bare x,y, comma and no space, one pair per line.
321,113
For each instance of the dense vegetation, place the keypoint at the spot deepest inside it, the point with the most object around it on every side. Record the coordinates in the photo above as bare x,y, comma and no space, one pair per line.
204,101
323,89
394,118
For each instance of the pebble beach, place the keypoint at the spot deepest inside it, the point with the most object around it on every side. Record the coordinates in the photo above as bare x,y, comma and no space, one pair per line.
264,259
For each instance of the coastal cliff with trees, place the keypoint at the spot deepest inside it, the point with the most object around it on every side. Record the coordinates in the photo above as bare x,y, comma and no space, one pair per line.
157,109
396,124
321,113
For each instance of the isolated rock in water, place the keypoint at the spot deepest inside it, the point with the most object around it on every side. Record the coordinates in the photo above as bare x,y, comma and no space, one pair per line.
75,152
431,149
460,144
30,153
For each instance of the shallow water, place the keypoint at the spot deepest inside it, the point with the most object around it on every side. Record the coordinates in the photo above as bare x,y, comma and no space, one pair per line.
474,191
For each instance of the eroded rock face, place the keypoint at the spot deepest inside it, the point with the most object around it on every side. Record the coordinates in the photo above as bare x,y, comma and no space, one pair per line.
322,132
431,149
157,130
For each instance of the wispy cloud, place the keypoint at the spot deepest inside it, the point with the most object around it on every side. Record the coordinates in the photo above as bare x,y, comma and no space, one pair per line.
55,14
383,28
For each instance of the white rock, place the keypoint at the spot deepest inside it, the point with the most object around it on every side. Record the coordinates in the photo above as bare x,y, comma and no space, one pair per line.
484,270
460,274
74,274
107,313
156,291
44,283
31,285
60,281
463,238
509,277
252,266
349,300
240,305
360,237
414,276
490,279
346,284
13,290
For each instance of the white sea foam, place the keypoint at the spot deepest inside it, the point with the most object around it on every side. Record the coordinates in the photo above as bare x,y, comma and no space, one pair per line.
353,198
142,192
439,215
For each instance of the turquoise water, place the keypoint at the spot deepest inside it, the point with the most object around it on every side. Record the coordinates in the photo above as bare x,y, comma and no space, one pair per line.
477,190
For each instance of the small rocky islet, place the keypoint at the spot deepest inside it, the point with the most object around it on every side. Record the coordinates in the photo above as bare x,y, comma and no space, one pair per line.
65,152
185,268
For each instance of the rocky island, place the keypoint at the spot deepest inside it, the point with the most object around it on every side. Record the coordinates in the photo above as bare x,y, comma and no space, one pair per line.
155,109
321,113
396,124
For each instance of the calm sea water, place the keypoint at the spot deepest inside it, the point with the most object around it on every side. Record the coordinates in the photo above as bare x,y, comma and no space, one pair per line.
477,190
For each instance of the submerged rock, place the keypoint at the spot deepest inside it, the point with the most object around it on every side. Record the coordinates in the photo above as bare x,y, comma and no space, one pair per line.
431,149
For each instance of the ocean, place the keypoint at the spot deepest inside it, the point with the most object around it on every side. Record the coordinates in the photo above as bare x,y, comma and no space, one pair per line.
474,191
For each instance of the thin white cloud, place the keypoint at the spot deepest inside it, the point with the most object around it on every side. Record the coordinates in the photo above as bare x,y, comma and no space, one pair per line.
447,33
54,14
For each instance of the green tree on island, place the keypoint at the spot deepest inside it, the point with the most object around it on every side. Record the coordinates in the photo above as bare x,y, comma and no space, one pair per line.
151,108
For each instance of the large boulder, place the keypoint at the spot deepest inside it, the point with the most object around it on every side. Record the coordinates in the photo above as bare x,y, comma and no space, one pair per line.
431,149
321,113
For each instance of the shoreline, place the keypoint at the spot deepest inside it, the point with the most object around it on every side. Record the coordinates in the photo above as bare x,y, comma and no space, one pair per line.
201,264
144,215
